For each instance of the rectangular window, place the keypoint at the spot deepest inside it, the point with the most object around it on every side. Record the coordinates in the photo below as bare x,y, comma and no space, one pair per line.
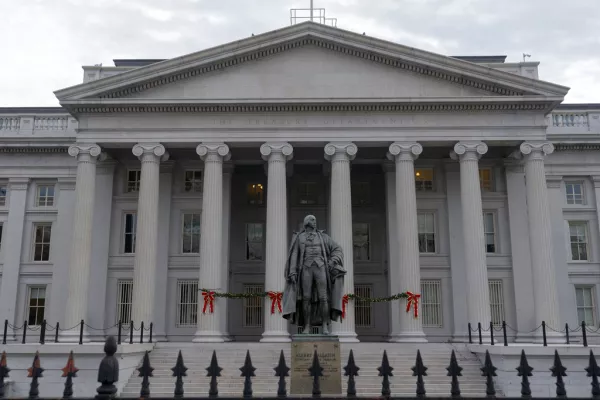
3,191
424,179
253,307
308,193
496,302
44,196
190,234
578,238
426,226
254,241
363,309
256,193
489,229
193,181
586,310
124,300
41,242
486,179
431,303
133,180
36,305
574,192
361,241
129,232
361,193
187,303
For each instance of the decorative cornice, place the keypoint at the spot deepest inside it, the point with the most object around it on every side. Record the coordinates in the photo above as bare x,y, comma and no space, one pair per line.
468,151
155,152
33,149
404,151
308,107
396,62
282,149
213,152
576,147
347,150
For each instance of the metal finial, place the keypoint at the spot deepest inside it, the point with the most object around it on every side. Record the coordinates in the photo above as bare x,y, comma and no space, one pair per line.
281,371
213,371
420,370
247,372
385,370
35,372
145,373
69,372
524,371
316,371
593,371
179,371
454,370
558,371
351,370
489,371
4,370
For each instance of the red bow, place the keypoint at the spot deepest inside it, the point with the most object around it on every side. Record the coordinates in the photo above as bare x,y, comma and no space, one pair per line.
209,300
275,301
413,301
345,299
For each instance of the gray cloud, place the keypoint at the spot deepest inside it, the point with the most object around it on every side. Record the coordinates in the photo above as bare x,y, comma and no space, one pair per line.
45,42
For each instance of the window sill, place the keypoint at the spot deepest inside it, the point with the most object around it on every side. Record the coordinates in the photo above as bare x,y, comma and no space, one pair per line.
48,262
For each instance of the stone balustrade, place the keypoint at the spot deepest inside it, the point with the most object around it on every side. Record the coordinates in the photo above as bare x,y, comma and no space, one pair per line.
51,123
570,119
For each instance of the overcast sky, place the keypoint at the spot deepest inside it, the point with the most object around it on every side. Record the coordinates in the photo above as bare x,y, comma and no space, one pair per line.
44,43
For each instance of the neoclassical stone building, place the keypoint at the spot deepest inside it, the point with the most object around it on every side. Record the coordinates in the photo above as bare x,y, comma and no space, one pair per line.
463,179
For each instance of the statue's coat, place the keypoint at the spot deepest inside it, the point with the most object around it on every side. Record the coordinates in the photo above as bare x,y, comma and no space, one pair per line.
292,295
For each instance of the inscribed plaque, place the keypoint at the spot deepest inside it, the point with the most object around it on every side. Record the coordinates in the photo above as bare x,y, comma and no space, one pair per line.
329,358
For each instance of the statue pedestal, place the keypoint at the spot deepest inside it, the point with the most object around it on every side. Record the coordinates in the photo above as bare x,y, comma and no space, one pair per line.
328,351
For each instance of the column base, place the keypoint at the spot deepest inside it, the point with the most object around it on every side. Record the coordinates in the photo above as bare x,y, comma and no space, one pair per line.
72,336
408,337
275,337
347,337
208,337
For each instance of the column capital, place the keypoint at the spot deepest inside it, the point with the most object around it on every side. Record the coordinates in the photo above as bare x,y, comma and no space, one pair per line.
213,152
154,152
536,150
277,150
86,152
468,151
347,150
408,151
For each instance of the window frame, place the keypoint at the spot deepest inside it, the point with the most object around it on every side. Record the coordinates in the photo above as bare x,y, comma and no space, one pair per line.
194,181
136,183
120,284
260,305
368,242
34,243
583,192
592,290
300,195
420,183
434,233
124,233
193,213
439,323
482,185
500,304
366,305
49,201
262,242
585,225
28,302
190,306
3,198
494,232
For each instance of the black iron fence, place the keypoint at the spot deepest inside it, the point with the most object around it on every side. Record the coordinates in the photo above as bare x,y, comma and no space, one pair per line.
108,375
582,330
126,333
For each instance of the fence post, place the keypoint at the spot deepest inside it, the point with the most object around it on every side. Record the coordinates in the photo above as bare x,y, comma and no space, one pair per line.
544,333
142,332
584,333
131,332
119,332
491,333
470,336
24,332
5,331
56,332
81,332
43,332
504,333
151,326
479,329
567,333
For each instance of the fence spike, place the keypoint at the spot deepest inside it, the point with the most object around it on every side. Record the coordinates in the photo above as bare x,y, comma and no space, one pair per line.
179,370
145,373
316,371
4,370
454,370
108,372
489,371
247,372
420,370
558,371
69,372
213,371
524,371
35,372
351,370
385,370
593,371
281,371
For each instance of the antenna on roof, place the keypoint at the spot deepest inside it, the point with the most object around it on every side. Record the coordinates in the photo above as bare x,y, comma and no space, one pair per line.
298,15
525,55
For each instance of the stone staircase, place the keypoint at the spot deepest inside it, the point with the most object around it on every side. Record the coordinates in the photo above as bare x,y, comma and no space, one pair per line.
265,357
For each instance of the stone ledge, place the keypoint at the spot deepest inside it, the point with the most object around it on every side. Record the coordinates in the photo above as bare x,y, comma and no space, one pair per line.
64,348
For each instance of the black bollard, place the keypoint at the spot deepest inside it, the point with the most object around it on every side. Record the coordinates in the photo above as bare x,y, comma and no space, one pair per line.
479,330
131,333
81,332
142,332
544,333
24,332
504,333
584,334
151,327
43,332
56,332
119,329
470,335
567,333
491,333
5,331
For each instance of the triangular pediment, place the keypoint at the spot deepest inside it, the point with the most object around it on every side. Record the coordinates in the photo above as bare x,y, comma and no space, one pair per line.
308,62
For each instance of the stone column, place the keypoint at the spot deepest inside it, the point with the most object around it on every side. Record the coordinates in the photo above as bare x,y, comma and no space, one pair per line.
224,304
540,239
81,241
340,154
276,155
144,268
409,271
478,296
211,239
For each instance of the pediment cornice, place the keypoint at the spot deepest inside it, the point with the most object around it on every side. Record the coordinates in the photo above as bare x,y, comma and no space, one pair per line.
497,83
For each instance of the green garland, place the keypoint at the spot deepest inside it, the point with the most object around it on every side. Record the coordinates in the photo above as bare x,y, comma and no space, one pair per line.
378,299
352,296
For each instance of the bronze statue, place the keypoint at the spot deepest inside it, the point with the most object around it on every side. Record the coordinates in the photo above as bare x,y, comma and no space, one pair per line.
314,277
